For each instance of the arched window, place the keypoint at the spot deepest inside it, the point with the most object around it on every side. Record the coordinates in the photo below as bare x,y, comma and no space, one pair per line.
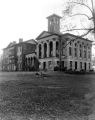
75,50
85,51
31,60
80,50
40,51
57,47
70,48
51,49
45,50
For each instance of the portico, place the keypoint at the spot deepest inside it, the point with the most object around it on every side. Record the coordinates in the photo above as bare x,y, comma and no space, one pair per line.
48,52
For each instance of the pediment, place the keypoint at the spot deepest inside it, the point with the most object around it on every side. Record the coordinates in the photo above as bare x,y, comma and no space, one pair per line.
43,35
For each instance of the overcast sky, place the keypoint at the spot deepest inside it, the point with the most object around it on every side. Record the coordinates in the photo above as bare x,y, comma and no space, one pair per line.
25,18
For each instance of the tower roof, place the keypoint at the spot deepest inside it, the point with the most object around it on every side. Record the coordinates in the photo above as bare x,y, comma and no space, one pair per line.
54,15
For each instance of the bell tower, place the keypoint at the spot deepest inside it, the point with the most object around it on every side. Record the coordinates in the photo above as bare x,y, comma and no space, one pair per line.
54,23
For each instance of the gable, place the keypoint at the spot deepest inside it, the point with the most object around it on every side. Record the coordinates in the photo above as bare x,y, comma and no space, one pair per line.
43,35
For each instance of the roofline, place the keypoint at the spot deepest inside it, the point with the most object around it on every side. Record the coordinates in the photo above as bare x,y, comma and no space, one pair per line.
17,44
51,33
30,40
9,46
77,36
54,15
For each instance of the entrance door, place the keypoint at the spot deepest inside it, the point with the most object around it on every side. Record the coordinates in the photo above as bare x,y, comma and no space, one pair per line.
44,65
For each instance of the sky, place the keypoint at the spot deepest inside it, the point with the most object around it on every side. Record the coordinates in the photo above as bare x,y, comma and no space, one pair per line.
25,18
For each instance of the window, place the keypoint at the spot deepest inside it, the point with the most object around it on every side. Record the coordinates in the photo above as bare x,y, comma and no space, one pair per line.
80,49
89,54
80,65
75,65
70,51
70,64
84,53
80,53
75,44
40,51
84,66
45,50
57,62
75,52
62,64
63,51
57,47
51,49
44,65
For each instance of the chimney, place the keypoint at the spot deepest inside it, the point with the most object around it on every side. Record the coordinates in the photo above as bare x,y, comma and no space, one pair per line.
20,40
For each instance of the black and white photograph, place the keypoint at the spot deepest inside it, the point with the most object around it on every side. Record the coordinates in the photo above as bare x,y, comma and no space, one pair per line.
47,60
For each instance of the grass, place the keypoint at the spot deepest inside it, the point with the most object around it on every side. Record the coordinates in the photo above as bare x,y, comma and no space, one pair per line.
50,96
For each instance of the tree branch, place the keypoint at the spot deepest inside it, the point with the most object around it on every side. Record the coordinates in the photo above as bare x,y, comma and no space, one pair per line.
78,38
79,29
83,5
82,14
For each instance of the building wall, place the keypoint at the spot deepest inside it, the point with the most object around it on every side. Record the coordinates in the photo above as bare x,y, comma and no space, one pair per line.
24,49
31,62
9,58
78,52
75,55
48,59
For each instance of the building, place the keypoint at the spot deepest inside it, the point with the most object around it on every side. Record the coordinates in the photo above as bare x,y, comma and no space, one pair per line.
1,60
20,56
9,57
51,49
26,56
67,50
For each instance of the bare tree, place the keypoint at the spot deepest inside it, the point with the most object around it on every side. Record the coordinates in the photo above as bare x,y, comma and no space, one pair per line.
73,10
84,9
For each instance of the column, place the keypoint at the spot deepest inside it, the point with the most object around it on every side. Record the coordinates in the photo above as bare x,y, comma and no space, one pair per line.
54,48
78,65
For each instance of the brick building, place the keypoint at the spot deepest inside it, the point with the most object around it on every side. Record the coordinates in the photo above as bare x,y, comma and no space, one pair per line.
9,57
24,61
15,56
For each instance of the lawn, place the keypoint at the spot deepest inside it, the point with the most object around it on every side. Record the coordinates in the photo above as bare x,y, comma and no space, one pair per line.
53,96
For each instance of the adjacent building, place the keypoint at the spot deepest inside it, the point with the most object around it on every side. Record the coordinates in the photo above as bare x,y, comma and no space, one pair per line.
9,57
16,56
26,56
